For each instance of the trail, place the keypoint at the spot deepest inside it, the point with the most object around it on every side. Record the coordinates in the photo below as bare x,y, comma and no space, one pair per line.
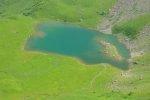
98,74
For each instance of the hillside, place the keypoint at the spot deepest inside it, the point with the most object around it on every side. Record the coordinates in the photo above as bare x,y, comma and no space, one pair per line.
130,17
87,13
28,75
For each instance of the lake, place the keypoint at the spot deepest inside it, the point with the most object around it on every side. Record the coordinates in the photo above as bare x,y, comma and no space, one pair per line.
89,46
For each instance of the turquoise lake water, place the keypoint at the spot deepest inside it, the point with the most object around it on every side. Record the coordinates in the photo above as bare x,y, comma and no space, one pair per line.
77,42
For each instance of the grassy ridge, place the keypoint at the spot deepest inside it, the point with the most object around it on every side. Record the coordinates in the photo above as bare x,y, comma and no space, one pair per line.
84,12
132,27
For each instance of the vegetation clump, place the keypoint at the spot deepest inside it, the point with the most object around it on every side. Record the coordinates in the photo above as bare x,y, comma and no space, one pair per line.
132,27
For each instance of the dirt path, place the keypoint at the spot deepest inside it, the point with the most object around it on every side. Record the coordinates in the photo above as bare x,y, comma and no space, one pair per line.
97,75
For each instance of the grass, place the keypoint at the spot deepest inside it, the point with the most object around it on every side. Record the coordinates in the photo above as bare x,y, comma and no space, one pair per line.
39,76
132,27
83,12
26,75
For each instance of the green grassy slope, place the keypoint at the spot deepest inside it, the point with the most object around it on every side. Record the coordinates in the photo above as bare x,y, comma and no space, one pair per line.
26,75
132,27
84,12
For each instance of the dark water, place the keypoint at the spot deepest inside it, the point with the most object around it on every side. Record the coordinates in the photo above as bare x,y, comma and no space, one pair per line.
77,42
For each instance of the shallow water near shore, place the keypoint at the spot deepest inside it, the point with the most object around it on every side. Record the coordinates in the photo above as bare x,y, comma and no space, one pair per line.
77,42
